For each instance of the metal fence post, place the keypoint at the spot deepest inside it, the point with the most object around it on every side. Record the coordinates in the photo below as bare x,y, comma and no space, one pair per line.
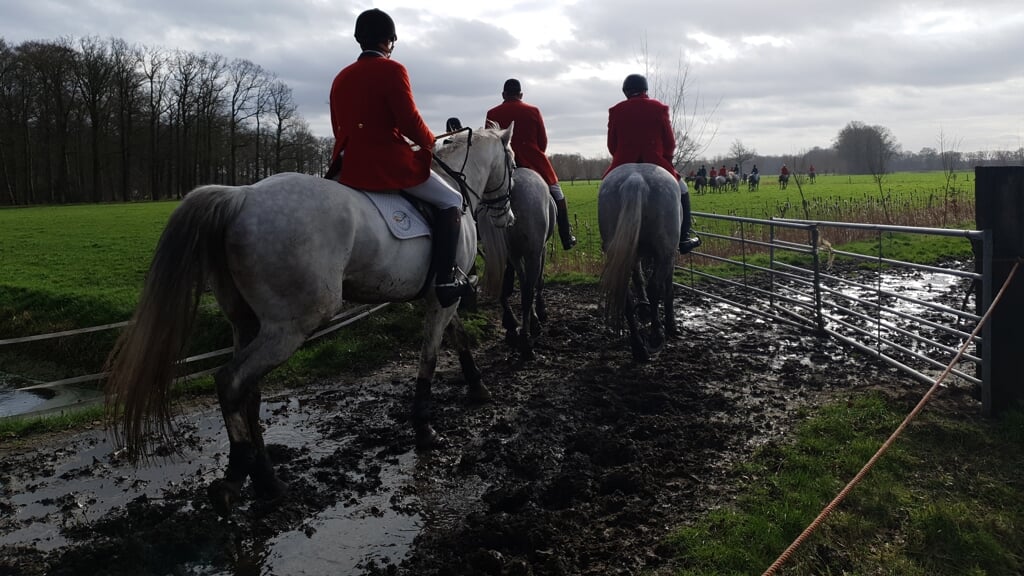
999,208
819,318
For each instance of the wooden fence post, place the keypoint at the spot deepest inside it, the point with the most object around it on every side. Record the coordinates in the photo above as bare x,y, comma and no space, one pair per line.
999,207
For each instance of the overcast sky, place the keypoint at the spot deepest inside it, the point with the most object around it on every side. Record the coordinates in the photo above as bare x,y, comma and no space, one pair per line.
781,77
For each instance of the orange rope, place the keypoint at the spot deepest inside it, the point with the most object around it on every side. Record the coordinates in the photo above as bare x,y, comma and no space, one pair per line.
892,438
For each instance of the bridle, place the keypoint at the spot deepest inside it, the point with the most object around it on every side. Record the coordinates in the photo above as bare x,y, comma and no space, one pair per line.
494,206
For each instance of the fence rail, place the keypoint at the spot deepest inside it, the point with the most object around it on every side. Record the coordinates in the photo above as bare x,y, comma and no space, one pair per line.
342,319
785,272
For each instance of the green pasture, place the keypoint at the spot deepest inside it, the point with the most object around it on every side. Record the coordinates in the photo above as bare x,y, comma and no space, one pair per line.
907,199
64,267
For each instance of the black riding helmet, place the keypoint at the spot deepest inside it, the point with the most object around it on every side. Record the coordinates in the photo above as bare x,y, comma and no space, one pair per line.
634,84
373,27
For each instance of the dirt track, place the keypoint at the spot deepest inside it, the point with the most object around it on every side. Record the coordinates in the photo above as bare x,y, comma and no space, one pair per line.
583,462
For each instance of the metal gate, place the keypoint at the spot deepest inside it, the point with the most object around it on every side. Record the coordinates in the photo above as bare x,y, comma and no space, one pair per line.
909,315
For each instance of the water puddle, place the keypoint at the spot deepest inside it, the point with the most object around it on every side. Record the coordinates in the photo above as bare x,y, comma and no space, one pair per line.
80,482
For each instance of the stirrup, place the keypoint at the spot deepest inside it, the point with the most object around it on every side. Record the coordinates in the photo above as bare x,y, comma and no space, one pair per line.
448,293
688,244
569,242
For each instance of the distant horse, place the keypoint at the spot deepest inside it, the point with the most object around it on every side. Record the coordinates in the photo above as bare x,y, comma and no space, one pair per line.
638,212
518,252
732,180
783,181
812,177
753,182
281,256
700,184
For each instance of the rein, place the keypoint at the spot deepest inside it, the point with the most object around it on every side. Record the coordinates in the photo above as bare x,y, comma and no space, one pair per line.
499,204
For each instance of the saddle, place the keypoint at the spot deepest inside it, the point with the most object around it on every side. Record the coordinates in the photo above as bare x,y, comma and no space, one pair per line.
406,217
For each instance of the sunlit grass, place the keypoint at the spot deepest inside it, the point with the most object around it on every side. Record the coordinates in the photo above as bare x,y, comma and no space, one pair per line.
938,503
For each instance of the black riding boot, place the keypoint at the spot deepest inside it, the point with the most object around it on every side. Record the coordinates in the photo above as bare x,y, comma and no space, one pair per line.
446,241
564,231
686,241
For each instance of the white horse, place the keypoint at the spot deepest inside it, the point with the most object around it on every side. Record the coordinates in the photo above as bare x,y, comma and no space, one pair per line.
753,182
281,256
519,252
733,180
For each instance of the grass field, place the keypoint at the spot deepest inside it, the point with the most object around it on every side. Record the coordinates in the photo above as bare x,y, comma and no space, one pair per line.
910,199
63,267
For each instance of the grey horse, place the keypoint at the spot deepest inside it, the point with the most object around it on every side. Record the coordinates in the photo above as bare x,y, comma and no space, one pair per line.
639,215
519,252
281,256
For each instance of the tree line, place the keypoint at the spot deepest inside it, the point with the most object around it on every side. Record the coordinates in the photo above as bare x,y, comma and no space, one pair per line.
93,120
858,148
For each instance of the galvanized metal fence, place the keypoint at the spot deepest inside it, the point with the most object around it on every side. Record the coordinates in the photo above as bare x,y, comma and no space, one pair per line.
903,313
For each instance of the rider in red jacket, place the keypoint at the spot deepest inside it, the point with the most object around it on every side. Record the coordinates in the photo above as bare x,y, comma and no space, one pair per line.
639,130
529,143
372,114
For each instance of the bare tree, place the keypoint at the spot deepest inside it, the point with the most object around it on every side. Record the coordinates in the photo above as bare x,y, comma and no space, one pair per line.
283,111
691,117
869,149
128,82
209,96
186,70
9,88
740,153
155,81
51,66
950,156
94,75
244,81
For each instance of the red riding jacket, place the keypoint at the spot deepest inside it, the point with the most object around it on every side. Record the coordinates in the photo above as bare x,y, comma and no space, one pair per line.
529,138
371,110
639,130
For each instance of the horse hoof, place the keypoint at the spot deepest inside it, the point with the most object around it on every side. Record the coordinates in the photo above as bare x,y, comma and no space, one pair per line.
272,490
478,394
427,438
222,495
535,330
655,345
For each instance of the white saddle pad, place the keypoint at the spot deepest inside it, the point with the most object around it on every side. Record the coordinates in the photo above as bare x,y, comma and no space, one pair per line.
402,218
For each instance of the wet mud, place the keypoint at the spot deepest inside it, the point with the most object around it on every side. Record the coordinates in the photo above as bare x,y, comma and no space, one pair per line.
583,462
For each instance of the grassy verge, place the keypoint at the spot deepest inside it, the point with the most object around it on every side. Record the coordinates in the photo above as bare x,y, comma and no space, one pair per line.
356,350
945,500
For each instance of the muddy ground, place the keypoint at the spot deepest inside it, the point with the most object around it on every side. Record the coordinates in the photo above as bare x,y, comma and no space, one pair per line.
582,464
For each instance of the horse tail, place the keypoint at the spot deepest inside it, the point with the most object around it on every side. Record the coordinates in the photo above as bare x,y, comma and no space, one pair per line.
621,253
141,365
495,241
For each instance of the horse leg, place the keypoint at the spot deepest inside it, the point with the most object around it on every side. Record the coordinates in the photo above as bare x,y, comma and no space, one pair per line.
531,326
508,317
438,319
668,296
541,307
238,393
475,389
637,342
661,277
643,302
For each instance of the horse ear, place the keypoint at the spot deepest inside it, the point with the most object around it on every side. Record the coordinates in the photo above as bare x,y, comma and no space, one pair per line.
506,135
